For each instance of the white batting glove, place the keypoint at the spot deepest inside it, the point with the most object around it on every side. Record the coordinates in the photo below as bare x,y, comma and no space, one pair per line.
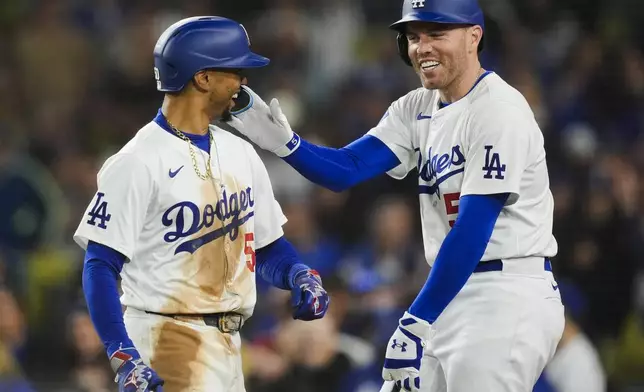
265,125
405,352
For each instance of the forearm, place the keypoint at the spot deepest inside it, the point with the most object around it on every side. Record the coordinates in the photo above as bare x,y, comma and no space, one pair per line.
459,254
339,169
100,276
278,263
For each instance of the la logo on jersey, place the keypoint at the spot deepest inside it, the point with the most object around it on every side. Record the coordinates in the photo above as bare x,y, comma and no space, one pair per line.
98,213
439,167
493,164
185,219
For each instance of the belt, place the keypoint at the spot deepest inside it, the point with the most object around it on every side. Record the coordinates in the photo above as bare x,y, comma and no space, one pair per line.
497,265
227,322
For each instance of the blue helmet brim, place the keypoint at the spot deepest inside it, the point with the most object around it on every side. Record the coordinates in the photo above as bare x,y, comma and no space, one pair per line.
434,17
249,60
253,60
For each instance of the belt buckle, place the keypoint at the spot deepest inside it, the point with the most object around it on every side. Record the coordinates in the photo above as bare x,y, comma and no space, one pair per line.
230,323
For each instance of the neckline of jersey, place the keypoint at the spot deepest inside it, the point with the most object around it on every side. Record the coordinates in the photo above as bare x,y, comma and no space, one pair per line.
163,123
442,105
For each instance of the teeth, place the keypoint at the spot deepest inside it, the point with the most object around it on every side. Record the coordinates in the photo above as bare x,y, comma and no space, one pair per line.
429,64
235,95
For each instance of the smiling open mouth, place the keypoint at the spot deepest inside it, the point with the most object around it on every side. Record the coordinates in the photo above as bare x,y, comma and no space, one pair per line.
428,65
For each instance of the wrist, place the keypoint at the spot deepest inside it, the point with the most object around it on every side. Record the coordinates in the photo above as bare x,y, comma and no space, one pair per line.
297,270
290,147
416,325
122,356
112,347
418,319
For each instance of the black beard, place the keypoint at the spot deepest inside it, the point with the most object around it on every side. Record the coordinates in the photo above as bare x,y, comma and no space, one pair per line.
226,116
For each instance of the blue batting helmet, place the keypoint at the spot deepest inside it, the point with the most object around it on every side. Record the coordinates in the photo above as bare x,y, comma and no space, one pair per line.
201,42
466,12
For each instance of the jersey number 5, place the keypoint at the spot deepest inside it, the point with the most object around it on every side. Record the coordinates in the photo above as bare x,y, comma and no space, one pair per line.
451,206
249,240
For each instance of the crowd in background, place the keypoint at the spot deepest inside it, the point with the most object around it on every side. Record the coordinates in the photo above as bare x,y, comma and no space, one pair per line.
77,82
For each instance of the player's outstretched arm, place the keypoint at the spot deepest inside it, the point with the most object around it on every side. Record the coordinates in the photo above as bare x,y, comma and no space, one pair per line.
335,169
100,273
278,264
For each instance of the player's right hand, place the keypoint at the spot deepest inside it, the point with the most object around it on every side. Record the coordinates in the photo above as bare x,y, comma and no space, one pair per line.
132,375
309,299
405,352
265,125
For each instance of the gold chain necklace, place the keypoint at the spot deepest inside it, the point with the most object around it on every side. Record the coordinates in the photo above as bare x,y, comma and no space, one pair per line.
193,154
191,148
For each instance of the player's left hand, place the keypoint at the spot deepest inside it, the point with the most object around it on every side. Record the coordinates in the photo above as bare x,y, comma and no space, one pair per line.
405,352
308,298
264,124
132,375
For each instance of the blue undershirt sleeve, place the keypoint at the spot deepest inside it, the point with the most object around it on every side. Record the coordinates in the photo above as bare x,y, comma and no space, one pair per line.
100,276
278,263
459,254
339,169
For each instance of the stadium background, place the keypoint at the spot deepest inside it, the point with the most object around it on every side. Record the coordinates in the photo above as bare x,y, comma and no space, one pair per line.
76,80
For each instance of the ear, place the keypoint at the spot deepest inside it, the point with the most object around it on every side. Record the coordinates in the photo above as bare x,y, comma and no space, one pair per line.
201,81
476,35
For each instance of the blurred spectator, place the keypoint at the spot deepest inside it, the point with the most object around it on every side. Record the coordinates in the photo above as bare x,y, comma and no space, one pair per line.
386,271
314,356
576,365
12,338
90,371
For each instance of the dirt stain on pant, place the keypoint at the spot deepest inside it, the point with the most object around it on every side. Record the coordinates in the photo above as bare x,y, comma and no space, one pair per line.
175,356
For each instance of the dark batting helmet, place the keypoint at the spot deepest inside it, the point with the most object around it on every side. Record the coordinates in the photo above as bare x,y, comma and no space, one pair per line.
201,42
466,12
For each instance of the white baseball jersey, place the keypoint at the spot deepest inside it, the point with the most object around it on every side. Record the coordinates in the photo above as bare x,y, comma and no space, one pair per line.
190,243
488,142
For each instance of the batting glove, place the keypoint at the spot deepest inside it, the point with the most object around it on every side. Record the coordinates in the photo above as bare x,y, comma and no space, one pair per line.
308,298
265,125
132,375
405,352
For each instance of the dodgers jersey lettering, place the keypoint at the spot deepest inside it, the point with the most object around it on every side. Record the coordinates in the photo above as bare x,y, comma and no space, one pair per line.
190,243
488,142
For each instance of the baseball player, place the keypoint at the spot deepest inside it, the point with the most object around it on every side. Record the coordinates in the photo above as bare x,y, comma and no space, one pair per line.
489,316
185,213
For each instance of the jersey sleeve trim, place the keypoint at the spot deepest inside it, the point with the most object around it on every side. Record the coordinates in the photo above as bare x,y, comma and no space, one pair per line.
274,235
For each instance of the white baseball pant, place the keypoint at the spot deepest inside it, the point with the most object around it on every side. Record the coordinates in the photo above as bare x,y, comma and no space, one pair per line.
497,334
188,355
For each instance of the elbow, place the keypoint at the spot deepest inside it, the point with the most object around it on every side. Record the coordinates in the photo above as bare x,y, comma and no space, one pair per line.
341,183
338,188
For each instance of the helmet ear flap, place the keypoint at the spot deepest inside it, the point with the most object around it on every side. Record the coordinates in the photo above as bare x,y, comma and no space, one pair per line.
401,40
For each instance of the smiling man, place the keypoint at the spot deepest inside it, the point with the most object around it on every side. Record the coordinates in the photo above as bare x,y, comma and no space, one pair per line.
185,213
489,316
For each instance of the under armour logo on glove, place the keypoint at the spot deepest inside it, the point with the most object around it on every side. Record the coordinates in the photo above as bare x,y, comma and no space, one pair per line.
132,375
309,299
405,352
403,346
